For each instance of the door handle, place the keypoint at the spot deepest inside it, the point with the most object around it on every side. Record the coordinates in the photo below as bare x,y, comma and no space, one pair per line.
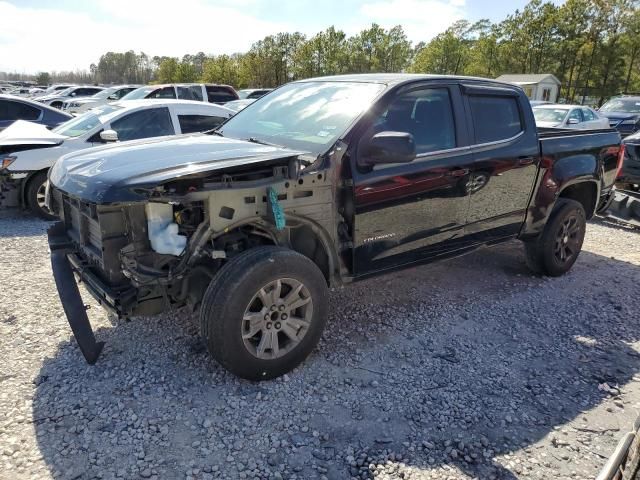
457,172
526,160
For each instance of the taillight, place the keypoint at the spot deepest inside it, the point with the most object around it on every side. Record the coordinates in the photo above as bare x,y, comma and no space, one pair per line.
620,159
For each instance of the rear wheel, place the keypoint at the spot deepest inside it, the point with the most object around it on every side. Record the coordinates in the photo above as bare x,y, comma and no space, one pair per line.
264,312
555,251
35,196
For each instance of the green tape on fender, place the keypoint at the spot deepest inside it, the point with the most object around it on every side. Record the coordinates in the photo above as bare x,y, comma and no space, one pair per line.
275,209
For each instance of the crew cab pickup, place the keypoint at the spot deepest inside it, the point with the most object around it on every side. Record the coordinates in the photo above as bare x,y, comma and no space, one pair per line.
317,184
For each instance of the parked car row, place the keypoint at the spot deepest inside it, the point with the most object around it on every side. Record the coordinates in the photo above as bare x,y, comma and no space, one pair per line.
28,150
569,116
621,112
108,95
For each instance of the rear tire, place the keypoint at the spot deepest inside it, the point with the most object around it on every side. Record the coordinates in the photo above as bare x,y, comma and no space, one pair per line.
264,312
555,251
35,196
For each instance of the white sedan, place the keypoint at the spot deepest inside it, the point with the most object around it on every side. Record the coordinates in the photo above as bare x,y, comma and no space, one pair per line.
110,95
29,150
569,116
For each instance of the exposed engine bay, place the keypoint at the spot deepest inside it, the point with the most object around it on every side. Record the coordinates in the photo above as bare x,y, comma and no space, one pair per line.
147,257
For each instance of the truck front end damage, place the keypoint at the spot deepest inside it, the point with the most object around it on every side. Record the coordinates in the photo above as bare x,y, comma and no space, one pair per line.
146,257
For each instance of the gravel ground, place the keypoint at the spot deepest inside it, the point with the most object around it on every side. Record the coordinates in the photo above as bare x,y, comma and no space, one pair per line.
470,368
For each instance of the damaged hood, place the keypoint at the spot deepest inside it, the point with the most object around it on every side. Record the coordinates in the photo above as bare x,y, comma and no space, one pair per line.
22,132
112,173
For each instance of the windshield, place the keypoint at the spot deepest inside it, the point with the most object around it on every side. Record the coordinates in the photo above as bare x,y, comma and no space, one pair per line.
65,92
84,123
550,114
104,94
626,105
138,93
309,115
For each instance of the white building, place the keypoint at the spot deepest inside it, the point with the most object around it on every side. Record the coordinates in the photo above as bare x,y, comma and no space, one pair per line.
538,86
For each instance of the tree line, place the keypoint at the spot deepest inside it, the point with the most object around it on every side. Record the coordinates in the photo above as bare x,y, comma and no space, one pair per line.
592,46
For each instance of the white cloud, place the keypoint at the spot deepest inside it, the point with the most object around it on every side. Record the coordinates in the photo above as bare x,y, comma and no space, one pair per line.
33,39
47,39
420,19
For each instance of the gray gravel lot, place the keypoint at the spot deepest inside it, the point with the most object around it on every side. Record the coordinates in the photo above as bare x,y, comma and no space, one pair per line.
470,368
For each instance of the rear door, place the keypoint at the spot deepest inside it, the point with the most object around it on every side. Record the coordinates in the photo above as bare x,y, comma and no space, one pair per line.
407,213
505,161
592,121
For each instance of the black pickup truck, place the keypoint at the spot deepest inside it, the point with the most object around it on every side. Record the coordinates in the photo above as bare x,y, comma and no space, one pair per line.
317,184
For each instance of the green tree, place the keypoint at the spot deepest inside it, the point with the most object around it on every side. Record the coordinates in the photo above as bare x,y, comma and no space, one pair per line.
168,70
43,78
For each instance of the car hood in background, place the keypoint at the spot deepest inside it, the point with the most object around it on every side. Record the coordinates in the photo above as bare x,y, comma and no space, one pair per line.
547,124
617,116
22,132
635,138
80,101
112,173
46,98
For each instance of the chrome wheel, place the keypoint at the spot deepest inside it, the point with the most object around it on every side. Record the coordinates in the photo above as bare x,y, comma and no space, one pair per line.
277,318
567,241
40,196
476,182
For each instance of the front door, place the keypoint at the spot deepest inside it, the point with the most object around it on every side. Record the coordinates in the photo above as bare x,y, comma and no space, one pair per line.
407,213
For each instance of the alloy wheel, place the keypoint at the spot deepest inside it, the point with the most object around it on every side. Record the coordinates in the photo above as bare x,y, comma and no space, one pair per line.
567,242
277,318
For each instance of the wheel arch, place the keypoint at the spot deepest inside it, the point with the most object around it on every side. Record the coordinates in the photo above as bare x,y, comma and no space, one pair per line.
586,192
304,236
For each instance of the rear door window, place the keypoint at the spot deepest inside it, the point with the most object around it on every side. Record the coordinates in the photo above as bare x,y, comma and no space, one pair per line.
219,94
198,123
576,115
152,122
588,115
495,118
18,111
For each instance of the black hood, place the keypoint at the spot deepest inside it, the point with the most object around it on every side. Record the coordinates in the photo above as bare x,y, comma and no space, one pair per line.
113,173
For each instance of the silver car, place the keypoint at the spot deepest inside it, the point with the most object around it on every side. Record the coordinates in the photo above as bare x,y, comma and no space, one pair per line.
569,116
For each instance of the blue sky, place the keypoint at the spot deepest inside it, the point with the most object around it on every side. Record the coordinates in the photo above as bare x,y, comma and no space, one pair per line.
70,34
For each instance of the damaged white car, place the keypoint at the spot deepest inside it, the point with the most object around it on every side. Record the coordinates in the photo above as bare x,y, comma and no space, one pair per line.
27,150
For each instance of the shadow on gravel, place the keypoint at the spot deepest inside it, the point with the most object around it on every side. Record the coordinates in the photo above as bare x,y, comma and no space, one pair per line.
17,223
416,371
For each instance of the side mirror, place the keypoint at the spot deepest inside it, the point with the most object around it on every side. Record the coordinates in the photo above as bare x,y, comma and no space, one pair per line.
73,94
573,121
112,97
109,136
390,147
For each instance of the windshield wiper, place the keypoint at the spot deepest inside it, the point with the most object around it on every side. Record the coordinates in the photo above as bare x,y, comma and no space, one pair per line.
262,142
214,132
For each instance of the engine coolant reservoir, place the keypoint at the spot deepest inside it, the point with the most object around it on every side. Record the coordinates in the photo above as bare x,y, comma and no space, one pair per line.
163,231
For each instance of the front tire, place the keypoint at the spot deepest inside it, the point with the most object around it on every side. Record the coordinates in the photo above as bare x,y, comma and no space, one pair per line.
35,196
264,312
555,251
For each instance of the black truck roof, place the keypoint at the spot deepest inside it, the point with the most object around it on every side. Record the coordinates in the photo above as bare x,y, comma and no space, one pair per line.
399,78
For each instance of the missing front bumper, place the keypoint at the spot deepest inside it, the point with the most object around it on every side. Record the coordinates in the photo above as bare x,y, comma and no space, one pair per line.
69,293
